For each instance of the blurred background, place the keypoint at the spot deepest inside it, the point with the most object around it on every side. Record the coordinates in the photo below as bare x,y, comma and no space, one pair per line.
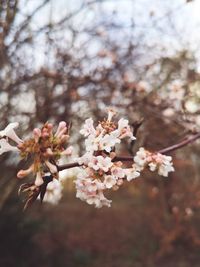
69,60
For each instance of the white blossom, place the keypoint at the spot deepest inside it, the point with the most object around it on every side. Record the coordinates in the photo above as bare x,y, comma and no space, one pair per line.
141,157
109,181
93,163
85,159
131,173
88,128
92,143
90,190
10,133
162,163
104,163
124,129
23,173
118,172
6,147
152,166
108,142
165,168
54,192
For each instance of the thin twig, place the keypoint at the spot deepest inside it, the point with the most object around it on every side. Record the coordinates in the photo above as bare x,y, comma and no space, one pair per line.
185,142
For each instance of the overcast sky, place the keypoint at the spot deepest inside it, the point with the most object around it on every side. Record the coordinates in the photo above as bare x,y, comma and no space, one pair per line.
185,18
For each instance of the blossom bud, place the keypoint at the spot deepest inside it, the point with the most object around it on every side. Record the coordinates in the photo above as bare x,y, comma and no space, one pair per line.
61,126
23,173
111,113
37,134
61,132
49,126
45,134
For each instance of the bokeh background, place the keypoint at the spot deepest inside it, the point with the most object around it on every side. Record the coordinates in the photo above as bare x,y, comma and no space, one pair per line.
69,60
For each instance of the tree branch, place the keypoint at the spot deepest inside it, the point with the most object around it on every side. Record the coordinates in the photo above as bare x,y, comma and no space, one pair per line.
185,142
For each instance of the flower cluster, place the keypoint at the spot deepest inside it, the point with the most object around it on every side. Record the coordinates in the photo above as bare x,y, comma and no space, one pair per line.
155,161
44,148
106,135
101,169
99,174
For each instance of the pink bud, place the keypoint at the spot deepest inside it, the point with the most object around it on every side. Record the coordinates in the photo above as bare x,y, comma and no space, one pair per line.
50,126
23,173
62,125
45,134
37,134
62,132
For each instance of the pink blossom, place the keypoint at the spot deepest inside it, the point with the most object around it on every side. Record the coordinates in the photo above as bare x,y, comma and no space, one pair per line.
117,172
62,128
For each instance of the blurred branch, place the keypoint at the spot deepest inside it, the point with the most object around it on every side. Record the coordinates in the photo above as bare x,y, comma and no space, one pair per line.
185,142
25,23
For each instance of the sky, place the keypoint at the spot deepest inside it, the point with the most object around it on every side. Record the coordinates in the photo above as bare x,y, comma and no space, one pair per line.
145,14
